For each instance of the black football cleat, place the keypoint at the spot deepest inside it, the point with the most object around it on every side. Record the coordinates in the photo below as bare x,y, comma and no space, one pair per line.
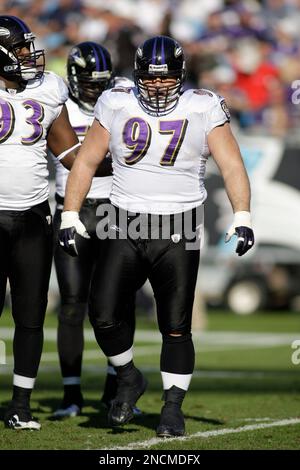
71,405
110,391
109,394
20,418
130,389
171,419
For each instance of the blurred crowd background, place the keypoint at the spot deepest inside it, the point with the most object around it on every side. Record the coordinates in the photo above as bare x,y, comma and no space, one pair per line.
247,50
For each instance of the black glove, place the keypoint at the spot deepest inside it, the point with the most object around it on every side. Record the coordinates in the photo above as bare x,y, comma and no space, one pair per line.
245,240
241,227
70,228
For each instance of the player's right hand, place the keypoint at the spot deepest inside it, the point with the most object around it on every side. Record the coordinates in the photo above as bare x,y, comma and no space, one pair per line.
69,228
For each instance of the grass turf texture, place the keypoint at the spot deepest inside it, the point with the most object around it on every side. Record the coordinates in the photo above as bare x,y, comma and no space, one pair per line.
236,384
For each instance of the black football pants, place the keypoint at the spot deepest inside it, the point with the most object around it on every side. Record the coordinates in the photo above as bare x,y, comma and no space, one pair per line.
74,277
172,271
25,260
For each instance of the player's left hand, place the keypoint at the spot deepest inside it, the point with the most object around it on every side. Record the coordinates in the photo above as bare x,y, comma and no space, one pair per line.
70,226
242,228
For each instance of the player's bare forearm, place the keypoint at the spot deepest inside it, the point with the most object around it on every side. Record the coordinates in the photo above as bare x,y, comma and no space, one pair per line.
78,185
238,188
61,139
90,156
226,153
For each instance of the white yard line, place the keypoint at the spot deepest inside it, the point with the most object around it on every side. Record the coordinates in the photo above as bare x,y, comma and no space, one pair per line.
202,338
221,432
100,369
142,351
216,341
93,354
256,419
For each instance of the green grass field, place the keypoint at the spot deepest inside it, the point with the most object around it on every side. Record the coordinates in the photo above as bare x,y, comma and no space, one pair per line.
245,393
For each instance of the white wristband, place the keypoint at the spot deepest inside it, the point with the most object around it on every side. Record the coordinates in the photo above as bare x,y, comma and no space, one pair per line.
242,219
71,219
68,218
65,153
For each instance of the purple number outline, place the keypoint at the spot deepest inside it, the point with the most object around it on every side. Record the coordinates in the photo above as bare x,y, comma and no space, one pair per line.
139,143
8,120
177,129
81,131
35,120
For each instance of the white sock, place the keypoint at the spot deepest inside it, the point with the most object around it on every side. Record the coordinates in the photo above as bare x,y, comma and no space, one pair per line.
121,359
24,382
179,380
71,380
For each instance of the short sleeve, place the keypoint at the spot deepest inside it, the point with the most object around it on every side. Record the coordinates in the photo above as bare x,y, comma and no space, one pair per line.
59,92
218,114
63,91
103,111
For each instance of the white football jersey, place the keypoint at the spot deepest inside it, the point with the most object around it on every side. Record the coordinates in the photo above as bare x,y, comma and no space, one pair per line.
81,121
25,119
159,162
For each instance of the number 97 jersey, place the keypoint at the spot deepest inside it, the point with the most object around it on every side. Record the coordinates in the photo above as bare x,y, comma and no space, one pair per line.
159,162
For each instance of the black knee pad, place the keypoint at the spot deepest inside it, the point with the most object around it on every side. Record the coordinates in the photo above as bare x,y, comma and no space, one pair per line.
183,338
72,314
180,327
177,354
105,322
28,327
113,338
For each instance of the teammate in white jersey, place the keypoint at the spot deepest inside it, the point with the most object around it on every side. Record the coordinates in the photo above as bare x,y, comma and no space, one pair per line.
33,115
160,139
89,73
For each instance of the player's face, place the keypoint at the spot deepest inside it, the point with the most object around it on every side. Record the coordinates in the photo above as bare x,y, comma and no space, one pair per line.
22,52
30,62
159,83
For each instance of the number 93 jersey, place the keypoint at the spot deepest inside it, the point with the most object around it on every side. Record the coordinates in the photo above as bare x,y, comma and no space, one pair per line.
25,118
159,162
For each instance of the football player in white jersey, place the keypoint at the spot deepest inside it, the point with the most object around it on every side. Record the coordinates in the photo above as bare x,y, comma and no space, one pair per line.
89,73
33,115
160,139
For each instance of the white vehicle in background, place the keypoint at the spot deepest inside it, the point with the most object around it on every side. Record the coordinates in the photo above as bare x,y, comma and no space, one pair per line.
269,275
270,279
